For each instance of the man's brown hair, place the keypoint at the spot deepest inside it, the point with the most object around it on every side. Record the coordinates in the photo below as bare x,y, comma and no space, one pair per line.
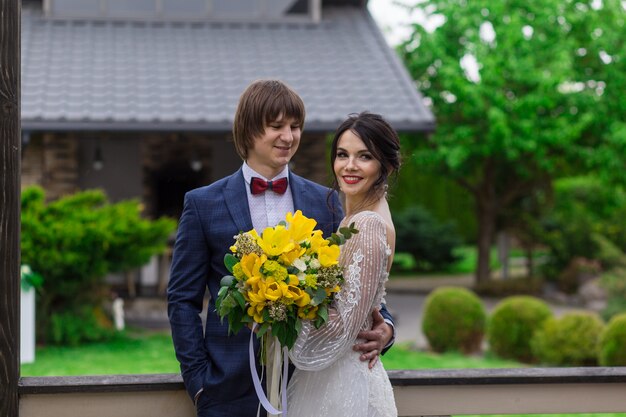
259,105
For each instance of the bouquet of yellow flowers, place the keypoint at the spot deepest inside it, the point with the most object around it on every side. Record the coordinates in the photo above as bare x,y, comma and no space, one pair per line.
287,274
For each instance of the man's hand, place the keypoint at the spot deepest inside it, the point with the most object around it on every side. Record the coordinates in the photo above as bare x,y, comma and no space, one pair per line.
375,339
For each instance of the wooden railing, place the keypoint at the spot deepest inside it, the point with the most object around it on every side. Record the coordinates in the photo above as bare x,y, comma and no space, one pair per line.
417,392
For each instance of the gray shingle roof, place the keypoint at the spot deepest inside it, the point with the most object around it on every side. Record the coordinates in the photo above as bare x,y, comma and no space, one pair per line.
108,75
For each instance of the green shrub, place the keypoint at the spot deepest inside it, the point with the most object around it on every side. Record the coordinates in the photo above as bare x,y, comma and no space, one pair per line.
609,254
571,340
78,326
586,221
614,282
513,322
454,320
403,261
613,342
73,243
431,243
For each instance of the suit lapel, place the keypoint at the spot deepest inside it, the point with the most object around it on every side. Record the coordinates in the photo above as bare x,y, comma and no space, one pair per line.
236,199
303,198
298,193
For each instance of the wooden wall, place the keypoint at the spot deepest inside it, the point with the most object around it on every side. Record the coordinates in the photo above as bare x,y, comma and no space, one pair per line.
9,204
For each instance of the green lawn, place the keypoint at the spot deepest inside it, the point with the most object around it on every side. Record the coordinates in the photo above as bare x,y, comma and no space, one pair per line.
139,353
468,258
151,352
401,356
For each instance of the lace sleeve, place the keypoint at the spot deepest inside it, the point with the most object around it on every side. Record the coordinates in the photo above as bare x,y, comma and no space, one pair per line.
364,259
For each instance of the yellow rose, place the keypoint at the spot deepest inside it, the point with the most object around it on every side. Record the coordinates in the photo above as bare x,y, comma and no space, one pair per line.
300,227
289,257
256,312
307,312
294,294
275,241
257,296
274,290
328,255
317,241
251,264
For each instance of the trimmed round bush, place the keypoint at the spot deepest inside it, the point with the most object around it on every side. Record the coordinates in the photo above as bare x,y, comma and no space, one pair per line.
613,342
513,322
570,340
454,319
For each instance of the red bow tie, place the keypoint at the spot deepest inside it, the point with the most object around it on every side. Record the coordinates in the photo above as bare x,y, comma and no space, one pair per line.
259,185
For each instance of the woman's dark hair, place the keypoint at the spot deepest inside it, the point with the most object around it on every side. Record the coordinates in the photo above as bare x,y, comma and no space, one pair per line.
381,141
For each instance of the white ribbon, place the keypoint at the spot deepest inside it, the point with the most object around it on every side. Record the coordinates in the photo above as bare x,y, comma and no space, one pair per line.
257,383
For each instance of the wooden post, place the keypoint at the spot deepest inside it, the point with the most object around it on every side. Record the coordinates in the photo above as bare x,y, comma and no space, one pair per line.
9,205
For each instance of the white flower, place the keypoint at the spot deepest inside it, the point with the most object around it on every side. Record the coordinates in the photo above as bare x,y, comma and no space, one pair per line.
315,263
300,264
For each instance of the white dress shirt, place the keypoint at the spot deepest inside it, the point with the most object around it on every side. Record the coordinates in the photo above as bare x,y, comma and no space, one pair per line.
269,208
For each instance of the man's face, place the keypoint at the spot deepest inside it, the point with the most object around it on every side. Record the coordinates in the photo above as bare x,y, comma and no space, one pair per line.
275,147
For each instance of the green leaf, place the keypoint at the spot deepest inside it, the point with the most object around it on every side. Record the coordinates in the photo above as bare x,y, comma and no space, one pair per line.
221,293
230,261
290,337
322,312
235,321
227,280
226,305
263,329
320,295
239,298
322,316
279,330
298,326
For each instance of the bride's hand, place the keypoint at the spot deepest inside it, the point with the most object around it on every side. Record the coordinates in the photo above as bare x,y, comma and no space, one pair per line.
376,339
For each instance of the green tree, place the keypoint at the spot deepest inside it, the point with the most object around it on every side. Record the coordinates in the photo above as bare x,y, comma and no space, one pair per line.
73,243
514,105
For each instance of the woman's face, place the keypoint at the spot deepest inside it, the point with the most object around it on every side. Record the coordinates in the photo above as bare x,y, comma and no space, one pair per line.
355,167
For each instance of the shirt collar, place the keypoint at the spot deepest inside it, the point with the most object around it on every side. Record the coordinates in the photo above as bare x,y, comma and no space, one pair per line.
248,173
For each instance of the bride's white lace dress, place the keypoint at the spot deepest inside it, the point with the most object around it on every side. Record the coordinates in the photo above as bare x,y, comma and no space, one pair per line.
329,379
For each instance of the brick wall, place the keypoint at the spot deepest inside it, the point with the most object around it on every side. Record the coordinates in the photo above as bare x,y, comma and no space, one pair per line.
51,160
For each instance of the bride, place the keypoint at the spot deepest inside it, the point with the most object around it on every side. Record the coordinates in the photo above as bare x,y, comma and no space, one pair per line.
329,379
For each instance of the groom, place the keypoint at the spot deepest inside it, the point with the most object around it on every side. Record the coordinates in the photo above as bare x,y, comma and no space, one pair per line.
214,365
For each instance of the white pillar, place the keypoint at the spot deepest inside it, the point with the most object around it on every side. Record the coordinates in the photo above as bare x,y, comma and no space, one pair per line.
27,325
